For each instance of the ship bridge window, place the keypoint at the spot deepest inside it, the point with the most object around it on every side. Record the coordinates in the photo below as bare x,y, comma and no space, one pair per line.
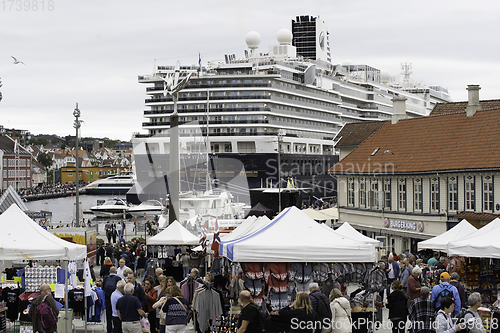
246,146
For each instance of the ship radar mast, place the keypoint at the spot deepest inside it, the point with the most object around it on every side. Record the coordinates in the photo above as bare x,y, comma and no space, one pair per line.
406,72
253,41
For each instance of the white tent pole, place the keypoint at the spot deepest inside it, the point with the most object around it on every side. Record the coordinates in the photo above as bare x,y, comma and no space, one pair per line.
66,307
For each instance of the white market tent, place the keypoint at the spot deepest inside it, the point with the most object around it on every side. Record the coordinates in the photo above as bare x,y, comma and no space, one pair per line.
250,225
316,214
483,243
23,239
174,234
348,231
323,214
440,243
294,237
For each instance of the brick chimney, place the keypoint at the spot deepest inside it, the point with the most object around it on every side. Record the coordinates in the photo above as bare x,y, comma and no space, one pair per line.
473,104
398,109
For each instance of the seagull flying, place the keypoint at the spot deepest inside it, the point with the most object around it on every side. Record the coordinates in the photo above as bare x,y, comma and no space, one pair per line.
17,61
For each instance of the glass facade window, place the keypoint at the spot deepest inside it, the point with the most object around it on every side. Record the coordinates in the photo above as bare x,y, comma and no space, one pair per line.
387,194
417,194
374,195
350,192
452,194
362,193
402,194
470,193
488,194
434,194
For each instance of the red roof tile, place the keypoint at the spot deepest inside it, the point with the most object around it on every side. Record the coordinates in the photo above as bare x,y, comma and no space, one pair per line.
353,134
429,144
458,107
476,216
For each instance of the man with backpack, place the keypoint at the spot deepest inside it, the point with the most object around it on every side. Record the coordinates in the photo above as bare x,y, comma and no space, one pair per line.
445,289
43,311
109,286
320,304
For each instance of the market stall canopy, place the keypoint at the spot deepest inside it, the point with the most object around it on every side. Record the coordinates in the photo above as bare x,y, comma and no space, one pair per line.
332,212
348,231
23,239
440,243
483,243
295,237
317,215
174,234
260,210
250,225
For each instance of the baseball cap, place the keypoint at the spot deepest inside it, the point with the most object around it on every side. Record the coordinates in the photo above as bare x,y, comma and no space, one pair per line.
425,289
445,275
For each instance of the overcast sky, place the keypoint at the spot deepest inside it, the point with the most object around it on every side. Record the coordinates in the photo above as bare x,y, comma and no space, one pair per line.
91,52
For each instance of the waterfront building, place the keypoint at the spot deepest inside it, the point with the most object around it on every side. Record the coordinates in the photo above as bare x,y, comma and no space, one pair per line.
413,179
15,164
88,174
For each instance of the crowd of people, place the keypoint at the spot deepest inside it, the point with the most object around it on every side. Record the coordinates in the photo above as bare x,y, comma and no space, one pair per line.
413,305
46,189
440,309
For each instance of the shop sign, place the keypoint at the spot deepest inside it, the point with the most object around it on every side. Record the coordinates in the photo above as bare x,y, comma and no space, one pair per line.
404,225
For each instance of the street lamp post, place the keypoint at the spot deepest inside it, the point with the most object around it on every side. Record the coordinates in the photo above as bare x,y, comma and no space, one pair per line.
77,125
281,133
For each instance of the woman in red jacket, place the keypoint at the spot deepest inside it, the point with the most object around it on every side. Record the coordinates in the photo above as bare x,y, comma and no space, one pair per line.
152,296
413,290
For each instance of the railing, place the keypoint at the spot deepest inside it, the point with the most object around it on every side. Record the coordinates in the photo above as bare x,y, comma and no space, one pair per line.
212,109
201,98
167,123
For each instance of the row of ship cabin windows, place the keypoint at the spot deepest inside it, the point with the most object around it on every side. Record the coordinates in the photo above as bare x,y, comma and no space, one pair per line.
370,196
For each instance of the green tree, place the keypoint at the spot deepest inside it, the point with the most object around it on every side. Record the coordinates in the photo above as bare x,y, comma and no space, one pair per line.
44,159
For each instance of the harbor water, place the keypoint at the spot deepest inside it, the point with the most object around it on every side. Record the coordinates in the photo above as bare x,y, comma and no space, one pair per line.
63,209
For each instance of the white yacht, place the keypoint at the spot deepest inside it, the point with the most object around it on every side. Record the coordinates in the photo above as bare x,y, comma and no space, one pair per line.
115,185
281,106
111,208
147,208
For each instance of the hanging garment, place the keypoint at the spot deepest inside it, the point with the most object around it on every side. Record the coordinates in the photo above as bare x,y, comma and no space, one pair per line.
376,280
236,286
359,273
279,300
86,277
337,272
321,272
254,286
278,270
207,307
188,287
279,286
253,270
72,269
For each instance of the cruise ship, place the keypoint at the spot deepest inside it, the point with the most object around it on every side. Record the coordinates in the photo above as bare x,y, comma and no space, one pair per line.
282,106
